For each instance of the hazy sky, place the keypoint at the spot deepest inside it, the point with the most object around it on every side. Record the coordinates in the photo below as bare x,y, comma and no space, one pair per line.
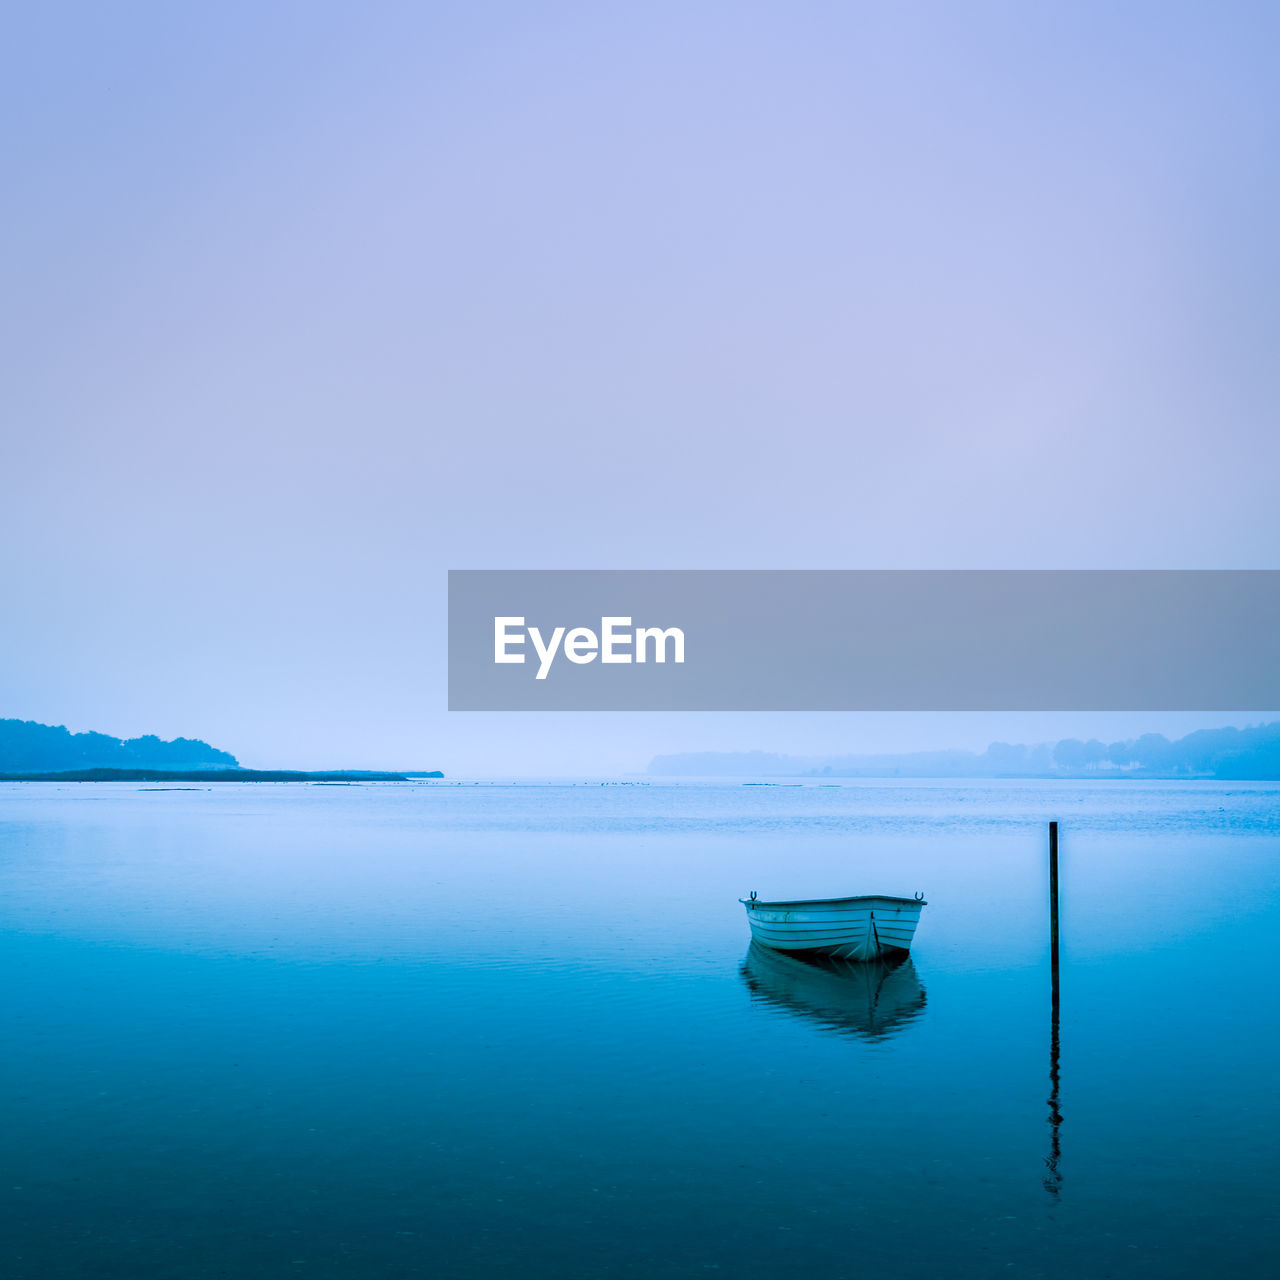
306,303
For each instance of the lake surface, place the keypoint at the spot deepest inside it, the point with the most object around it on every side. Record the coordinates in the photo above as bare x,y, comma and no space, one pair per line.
469,1030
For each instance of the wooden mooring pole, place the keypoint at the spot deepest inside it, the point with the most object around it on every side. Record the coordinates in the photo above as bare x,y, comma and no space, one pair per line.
1053,903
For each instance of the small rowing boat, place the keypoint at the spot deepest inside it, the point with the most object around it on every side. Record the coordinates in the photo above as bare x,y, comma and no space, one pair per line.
865,928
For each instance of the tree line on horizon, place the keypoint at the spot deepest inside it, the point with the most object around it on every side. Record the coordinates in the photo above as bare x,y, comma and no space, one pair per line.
26,746
1229,753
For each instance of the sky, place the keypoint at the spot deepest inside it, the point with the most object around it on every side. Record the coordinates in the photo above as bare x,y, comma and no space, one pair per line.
308,303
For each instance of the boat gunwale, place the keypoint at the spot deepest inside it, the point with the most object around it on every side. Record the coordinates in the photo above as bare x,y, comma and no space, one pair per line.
814,902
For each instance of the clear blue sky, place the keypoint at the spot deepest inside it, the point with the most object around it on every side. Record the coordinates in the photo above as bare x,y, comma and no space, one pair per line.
306,303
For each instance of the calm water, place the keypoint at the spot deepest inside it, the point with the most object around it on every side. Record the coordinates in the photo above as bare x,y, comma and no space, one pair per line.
450,1030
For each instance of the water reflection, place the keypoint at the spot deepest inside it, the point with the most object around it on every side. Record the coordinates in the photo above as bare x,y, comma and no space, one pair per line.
1053,1178
871,1000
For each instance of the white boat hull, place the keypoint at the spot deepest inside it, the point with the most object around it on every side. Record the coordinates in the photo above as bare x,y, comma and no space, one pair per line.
864,928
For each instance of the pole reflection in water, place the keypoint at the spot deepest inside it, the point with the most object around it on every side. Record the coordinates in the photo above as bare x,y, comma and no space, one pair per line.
1053,1180
871,1000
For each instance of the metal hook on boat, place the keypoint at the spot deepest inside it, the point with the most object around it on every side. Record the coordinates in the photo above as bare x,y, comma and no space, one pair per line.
753,895
919,897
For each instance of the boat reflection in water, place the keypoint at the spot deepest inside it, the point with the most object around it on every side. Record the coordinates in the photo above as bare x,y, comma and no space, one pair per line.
871,1000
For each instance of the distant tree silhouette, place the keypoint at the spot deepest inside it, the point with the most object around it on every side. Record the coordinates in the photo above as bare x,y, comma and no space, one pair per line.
1250,753
1155,751
29,747
1006,757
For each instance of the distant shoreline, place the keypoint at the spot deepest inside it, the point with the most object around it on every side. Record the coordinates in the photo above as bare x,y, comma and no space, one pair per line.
1228,754
213,775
